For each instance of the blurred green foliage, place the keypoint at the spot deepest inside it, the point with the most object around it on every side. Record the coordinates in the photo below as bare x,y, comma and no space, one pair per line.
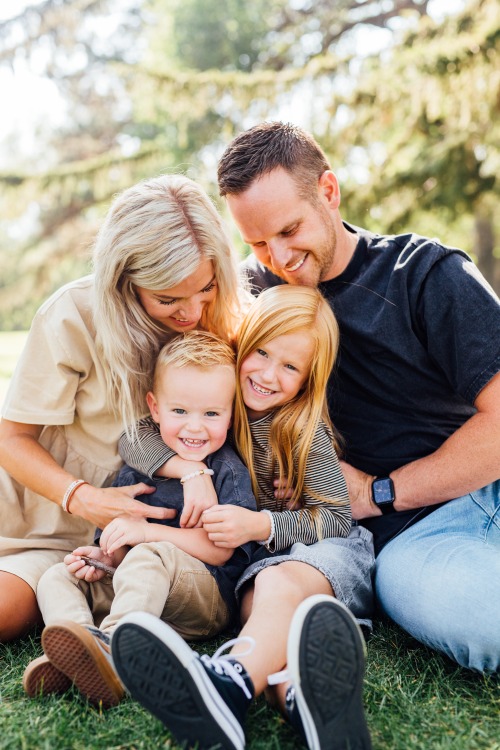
406,106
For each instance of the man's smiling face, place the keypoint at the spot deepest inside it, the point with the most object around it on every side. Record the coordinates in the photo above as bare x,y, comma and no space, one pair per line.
293,237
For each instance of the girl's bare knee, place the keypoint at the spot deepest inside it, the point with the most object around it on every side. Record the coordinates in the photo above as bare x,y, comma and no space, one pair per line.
276,580
292,580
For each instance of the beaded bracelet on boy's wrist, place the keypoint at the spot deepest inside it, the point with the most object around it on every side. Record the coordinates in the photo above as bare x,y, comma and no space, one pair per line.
194,474
70,492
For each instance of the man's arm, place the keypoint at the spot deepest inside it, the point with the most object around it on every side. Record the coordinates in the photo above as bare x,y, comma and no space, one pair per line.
467,460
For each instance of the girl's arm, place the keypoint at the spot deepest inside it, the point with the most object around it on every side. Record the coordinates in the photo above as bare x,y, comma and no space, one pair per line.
32,466
229,526
316,519
149,455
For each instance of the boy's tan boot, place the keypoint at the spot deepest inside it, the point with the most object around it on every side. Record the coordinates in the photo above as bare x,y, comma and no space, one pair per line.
83,654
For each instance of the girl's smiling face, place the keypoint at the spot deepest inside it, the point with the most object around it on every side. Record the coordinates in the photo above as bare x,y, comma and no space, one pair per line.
275,373
181,307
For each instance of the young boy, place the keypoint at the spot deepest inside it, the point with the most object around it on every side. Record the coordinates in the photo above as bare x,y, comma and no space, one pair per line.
175,573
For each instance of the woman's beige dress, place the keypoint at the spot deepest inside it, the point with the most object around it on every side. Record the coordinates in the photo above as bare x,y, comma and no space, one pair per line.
58,383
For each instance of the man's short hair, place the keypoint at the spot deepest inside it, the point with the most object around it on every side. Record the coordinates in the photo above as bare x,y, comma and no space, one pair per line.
266,147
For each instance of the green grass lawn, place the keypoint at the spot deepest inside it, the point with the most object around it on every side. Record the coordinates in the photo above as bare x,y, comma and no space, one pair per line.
415,700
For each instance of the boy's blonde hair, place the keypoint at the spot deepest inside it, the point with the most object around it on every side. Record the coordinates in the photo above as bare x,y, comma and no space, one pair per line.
156,235
279,311
196,349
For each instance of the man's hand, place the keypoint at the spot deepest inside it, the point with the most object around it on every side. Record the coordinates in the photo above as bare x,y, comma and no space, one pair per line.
231,525
199,494
359,486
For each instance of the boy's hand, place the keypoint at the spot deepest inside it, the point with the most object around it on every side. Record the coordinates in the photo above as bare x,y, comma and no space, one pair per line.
231,525
199,494
82,569
123,532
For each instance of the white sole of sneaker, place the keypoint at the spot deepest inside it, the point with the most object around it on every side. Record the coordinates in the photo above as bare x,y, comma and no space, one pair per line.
326,656
160,671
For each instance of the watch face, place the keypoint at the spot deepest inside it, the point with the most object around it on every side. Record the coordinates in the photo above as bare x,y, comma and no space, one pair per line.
383,491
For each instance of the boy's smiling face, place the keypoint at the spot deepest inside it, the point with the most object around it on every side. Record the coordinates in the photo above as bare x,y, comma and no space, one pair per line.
193,407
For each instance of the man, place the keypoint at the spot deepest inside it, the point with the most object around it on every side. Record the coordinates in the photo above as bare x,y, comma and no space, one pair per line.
416,394
416,397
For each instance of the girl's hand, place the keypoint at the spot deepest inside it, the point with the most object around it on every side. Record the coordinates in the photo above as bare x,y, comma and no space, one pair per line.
123,532
199,494
100,506
81,569
230,525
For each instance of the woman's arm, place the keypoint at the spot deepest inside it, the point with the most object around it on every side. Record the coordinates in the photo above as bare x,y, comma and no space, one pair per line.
32,466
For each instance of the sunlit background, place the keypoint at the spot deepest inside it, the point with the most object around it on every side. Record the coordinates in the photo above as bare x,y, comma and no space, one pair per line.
403,95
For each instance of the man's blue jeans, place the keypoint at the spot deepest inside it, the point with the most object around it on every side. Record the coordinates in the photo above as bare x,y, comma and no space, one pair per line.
440,579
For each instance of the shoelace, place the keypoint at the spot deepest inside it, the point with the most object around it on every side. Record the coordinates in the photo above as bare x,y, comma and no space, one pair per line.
223,664
278,677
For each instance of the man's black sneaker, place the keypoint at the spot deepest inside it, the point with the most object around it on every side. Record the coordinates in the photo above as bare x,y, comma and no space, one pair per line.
326,661
202,700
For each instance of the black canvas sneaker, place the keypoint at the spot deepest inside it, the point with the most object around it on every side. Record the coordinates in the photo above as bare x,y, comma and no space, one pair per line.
326,662
202,700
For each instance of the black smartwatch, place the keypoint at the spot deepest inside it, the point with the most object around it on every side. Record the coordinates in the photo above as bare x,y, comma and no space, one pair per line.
383,494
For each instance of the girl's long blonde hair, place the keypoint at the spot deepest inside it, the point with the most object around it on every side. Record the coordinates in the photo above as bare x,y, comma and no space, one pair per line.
280,311
155,235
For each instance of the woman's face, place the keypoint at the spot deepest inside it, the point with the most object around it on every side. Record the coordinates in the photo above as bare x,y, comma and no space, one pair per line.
180,308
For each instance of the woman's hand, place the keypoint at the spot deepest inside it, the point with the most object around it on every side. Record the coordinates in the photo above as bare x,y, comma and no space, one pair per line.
84,570
123,532
231,525
100,506
199,495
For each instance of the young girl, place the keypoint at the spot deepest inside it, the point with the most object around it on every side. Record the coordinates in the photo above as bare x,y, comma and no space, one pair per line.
308,555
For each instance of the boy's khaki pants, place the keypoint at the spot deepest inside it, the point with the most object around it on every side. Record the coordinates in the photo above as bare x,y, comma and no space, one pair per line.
154,577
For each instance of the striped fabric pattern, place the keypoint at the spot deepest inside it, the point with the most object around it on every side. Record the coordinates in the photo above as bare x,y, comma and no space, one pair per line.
323,476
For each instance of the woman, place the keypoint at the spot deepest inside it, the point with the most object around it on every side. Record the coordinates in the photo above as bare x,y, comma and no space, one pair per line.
162,265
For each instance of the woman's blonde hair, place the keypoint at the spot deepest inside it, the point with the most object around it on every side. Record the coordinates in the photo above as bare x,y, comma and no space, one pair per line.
280,311
155,236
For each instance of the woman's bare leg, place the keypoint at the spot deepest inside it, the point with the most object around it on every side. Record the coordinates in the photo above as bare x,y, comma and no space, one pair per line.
277,592
19,611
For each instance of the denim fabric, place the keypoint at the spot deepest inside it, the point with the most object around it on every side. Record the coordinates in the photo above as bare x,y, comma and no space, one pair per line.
440,579
347,563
